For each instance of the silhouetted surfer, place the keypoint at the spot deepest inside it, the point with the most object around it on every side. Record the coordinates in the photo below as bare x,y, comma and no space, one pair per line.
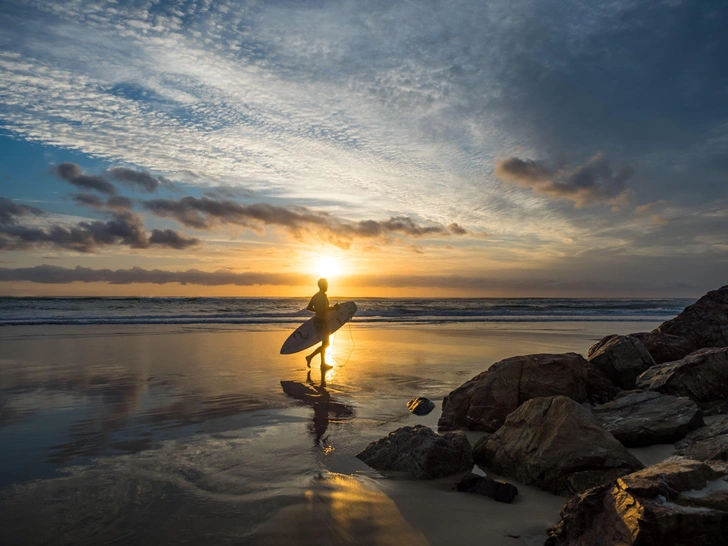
319,304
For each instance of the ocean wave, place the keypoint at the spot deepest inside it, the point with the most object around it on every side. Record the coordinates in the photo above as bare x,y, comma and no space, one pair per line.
97,310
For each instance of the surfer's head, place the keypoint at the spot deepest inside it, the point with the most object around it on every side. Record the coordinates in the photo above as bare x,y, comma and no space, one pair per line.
323,284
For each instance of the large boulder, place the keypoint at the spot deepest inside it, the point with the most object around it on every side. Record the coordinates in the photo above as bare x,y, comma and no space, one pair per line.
421,452
646,418
706,444
701,376
621,358
669,503
599,388
556,444
704,323
484,402
665,347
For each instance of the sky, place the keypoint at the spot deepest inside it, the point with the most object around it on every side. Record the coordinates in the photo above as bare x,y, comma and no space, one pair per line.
535,148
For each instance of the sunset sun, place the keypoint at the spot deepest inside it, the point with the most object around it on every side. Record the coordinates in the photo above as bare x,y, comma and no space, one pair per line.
328,266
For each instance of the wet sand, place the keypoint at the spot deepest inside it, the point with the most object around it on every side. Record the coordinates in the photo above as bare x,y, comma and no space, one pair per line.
150,435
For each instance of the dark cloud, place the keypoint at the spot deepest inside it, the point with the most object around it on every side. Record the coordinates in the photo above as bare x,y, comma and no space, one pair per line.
171,239
71,173
204,213
123,228
552,282
49,274
137,179
596,181
456,229
115,202
9,210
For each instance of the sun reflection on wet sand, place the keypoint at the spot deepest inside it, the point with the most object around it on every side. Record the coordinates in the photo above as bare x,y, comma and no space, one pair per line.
339,509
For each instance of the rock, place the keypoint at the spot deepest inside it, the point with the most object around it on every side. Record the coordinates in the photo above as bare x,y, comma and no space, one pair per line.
599,388
706,444
484,402
646,418
488,487
704,323
421,452
557,445
621,358
657,505
701,376
665,347
420,405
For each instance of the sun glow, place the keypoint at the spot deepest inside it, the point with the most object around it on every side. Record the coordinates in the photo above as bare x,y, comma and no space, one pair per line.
327,267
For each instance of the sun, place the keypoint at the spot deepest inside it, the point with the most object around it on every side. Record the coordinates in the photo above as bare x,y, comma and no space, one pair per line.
328,266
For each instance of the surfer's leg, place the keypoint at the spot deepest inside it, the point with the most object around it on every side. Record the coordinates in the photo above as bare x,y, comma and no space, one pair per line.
310,357
324,346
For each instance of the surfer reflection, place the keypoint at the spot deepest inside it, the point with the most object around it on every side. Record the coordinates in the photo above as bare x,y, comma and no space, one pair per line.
325,409
319,304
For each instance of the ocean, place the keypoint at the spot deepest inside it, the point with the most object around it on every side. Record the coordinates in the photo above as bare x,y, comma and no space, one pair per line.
262,311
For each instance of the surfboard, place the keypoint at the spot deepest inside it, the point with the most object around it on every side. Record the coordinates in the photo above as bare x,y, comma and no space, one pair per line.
305,335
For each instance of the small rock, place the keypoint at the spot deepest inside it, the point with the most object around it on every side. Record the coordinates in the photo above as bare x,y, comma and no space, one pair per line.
421,452
420,405
488,487
645,418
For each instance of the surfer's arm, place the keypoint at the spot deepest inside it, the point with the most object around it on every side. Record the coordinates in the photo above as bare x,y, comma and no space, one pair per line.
311,306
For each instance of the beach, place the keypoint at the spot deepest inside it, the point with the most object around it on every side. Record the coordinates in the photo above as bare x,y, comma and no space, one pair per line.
160,433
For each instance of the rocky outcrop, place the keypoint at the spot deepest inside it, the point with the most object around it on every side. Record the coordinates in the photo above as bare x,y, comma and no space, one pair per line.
556,444
646,418
487,487
669,503
705,323
420,452
484,402
420,405
621,358
665,347
701,376
706,444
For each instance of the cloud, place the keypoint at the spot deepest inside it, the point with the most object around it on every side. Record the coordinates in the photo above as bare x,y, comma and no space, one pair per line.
71,173
171,239
49,274
596,181
115,202
137,179
9,211
123,229
204,213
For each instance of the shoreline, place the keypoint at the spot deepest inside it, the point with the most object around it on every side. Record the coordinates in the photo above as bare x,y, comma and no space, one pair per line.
164,419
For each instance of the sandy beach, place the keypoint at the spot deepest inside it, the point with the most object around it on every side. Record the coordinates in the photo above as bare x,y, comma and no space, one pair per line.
143,434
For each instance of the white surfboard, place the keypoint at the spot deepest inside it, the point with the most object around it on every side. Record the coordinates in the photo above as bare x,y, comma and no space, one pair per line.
305,335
